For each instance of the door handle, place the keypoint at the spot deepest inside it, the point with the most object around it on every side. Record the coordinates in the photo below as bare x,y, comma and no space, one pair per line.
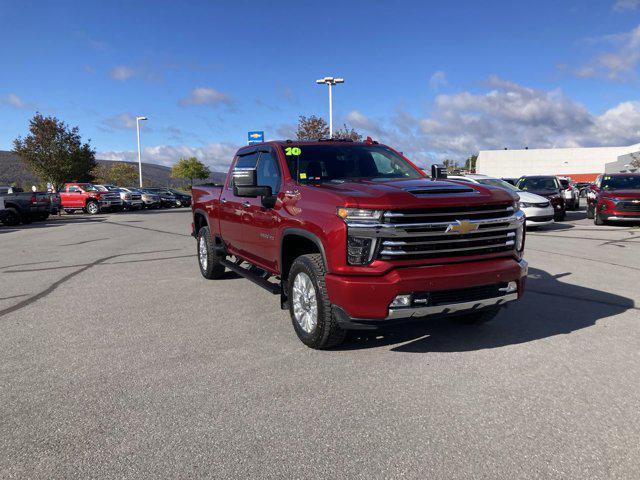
246,204
223,200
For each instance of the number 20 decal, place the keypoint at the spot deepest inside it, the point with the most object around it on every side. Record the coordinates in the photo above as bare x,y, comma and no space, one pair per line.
292,151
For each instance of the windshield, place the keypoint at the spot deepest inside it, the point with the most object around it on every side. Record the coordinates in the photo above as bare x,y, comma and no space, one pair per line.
533,183
338,163
495,182
621,182
91,188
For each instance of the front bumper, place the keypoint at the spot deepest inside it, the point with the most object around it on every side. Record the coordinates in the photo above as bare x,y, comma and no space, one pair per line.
366,300
536,216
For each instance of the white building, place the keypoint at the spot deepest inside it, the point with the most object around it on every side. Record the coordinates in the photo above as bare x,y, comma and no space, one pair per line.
581,164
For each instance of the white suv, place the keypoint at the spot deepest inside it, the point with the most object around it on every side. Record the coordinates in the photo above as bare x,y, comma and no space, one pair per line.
571,193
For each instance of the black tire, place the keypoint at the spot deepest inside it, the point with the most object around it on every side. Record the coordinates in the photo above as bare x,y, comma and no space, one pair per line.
599,219
559,217
93,207
211,267
478,318
69,211
26,218
589,212
326,333
12,218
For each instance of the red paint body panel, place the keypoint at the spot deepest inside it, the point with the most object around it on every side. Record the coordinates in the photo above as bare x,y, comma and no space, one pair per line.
256,233
369,297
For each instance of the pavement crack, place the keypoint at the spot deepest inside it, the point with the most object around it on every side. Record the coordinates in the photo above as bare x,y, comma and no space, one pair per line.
149,229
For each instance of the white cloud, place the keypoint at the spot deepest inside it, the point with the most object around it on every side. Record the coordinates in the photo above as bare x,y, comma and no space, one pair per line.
206,96
122,73
216,156
618,58
625,5
359,121
438,80
122,121
13,100
505,115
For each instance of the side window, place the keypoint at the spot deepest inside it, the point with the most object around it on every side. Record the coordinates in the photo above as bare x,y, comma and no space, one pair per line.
74,190
244,161
268,172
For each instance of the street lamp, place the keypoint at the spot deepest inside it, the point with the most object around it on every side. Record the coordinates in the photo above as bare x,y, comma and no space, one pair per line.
139,159
331,82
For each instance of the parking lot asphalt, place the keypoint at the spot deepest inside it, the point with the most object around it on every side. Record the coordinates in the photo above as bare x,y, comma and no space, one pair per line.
118,360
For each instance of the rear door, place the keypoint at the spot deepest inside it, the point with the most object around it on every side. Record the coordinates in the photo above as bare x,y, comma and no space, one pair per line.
232,208
261,223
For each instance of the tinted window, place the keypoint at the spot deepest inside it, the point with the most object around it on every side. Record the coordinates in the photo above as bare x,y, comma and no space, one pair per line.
495,182
328,163
73,189
621,182
268,172
537,183
564,183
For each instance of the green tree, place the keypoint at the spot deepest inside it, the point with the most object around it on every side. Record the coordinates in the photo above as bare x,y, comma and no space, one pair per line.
190,168
345,132
55,152
312,128
470,163
118,173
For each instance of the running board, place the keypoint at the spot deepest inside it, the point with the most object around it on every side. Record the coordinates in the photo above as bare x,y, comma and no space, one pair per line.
256,278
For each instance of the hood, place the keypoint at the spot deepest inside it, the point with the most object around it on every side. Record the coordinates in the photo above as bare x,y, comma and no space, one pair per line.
416,193
529,197
631,193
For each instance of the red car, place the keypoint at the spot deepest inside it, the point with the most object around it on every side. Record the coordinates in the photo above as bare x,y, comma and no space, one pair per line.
614,197
86,197
354,236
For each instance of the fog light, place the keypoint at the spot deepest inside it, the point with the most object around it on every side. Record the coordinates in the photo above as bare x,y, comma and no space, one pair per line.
510,288
401,301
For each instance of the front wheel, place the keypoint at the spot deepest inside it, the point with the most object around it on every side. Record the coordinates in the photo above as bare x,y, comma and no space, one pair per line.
209,262
309,306
590,212
92,208
599,219
12,218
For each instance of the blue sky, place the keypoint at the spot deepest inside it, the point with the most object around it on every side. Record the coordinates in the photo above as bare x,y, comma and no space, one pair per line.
433,79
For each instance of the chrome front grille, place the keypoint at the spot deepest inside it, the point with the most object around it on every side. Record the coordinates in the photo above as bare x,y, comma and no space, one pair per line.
628,207
442,232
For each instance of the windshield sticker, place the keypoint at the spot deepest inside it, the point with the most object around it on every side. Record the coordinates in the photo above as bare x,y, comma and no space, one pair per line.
303,175
292,151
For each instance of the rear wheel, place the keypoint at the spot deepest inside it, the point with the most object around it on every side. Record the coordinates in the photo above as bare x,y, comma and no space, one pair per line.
309,306
477,318
590,212
208,260
12,217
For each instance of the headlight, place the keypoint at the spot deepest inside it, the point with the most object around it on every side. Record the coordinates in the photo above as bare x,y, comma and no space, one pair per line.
525,205
613,199
520,237
359,215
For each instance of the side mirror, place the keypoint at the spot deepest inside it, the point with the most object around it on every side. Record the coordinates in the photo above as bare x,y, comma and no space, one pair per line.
438,171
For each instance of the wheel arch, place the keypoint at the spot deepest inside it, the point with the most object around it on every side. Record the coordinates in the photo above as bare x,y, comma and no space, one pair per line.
296,242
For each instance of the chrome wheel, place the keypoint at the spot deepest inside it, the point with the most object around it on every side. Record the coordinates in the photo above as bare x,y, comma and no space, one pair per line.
203,254
92,208
305,303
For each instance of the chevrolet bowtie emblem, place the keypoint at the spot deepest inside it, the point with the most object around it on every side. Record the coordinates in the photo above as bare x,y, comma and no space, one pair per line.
462,227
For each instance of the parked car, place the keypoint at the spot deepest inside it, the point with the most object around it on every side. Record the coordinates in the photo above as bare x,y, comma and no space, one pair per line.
583,188
614,197
571,193
131,199
547,186
342,232
167,199
149,200
182,199
537,209
87,197
23,207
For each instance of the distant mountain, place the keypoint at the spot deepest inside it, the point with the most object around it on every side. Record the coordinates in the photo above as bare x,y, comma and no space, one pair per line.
13,171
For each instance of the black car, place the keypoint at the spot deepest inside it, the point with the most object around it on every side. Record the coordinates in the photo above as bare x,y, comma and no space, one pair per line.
182,199
167,198
547,186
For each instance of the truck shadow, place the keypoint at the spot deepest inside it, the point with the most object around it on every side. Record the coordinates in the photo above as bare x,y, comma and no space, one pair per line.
549,307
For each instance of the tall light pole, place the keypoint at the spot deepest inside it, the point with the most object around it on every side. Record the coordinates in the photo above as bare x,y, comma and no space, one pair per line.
139,157
331,82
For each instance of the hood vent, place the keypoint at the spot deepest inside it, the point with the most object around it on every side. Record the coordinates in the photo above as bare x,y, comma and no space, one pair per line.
448,190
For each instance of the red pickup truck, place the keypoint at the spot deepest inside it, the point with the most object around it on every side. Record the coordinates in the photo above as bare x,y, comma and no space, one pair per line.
354,236
88,198
614,197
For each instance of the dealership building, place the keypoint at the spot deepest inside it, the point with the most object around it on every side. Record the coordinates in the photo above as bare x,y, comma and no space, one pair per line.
581,164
